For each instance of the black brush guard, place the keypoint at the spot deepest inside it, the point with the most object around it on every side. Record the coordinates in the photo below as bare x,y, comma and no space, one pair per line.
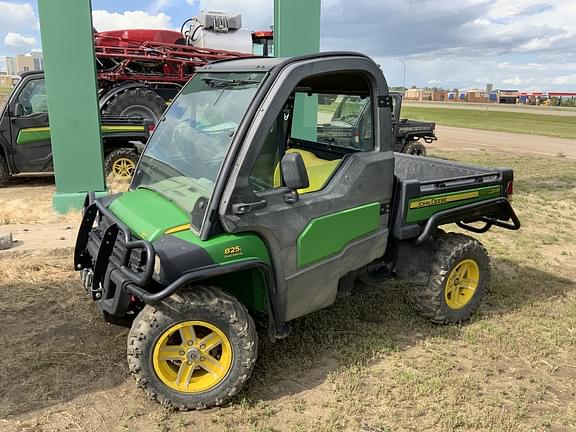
109,258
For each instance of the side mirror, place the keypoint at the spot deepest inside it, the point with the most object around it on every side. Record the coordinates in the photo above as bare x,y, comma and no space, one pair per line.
294,175
18,110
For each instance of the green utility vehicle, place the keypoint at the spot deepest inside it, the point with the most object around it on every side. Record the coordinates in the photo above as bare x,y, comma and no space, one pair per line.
25,146
237,212
348,118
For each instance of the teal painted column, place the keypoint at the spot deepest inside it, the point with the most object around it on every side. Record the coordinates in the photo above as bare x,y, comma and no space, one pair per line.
69,63
297,32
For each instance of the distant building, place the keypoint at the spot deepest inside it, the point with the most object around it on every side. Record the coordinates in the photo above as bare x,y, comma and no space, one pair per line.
415,94
508,96
24,63
476,96
5,81
8,80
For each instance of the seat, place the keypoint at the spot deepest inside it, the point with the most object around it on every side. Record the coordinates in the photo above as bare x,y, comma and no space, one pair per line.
319,170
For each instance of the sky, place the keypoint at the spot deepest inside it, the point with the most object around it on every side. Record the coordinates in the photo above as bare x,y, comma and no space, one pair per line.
514,44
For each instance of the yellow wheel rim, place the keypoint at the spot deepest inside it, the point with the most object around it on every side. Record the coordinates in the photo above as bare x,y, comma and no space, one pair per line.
462,284
123,168
192,356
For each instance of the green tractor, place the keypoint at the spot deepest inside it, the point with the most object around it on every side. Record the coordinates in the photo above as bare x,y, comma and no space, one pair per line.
237,210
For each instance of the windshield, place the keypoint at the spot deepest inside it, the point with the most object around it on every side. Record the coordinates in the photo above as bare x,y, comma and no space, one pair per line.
184,155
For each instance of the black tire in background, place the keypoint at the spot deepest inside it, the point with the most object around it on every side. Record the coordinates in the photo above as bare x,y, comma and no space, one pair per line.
433,300
141,102
415,148
121,163
154,324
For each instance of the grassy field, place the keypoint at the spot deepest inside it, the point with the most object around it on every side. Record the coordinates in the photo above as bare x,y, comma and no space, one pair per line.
529,123
368,363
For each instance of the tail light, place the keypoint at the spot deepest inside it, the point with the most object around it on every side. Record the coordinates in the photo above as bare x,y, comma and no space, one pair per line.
357,136
510,190
150,127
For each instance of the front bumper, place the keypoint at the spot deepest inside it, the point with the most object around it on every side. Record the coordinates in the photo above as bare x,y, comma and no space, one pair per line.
109,259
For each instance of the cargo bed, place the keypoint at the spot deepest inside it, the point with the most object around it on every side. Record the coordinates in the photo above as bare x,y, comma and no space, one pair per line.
433,192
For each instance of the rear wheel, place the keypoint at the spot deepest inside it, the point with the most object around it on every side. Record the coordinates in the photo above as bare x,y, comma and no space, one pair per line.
4,172
121,163
141,102
415,148
460,272
193,351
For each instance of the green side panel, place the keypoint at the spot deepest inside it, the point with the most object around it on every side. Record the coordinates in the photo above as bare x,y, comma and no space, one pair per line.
32,135
249,286
70,70
148,214
422,208
228,248
328,235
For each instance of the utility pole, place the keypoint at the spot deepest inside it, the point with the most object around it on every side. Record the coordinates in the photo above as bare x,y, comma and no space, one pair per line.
403,72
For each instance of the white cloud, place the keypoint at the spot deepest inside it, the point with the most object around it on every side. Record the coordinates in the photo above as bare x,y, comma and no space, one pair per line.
104,20
512,81
159,5
17,40
566,80
14,16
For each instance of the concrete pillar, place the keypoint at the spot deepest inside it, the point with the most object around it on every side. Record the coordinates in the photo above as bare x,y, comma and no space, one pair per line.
69,63
297,32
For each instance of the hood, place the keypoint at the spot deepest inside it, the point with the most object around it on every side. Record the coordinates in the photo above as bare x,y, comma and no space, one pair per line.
148,214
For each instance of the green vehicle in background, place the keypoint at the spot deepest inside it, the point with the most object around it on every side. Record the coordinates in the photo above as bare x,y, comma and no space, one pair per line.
238,211
25,146
348,118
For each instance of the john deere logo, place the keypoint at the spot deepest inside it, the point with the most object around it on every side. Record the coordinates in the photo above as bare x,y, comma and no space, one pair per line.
443,200
430,202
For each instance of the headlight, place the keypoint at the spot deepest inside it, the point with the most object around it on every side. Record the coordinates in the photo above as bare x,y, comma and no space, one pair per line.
157,266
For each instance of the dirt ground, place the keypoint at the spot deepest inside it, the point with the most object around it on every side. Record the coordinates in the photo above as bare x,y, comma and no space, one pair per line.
458,139
368,363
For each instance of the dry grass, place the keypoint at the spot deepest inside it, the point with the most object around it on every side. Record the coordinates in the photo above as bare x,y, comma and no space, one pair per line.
29,201
366,364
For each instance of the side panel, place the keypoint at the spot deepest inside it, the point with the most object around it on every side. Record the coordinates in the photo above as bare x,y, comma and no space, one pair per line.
28,124
31,135
35,134
32,150
229,248
6,138
422,208
318,240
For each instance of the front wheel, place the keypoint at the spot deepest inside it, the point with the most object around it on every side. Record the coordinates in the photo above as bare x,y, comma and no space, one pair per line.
121,163
460,272
193,351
